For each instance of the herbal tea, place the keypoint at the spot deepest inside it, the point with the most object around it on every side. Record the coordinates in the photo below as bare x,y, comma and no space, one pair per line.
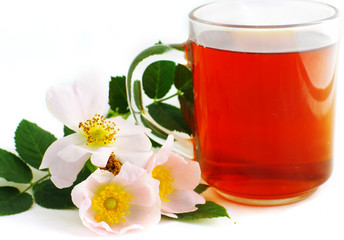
264,121
264,90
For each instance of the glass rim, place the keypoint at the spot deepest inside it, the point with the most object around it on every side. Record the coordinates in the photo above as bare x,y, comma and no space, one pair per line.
335,15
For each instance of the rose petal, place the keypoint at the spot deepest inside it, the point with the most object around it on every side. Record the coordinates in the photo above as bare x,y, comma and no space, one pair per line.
139,142
75,150
78,193
93,89
98,177
182,201
64,174
57,146
171,215
163,154
145,216
78,102
130,172
86,217
139,159
101,156
89,187
145,189
186,173
144,208
64,170
122,228
126,128
151,163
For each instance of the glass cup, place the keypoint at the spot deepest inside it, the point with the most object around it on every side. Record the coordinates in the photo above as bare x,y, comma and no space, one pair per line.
262,111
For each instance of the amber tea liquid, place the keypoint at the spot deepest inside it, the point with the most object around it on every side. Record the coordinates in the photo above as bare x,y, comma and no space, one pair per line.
264,121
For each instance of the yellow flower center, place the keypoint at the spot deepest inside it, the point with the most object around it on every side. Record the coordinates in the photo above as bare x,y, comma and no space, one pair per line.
98,131
161,173
111,204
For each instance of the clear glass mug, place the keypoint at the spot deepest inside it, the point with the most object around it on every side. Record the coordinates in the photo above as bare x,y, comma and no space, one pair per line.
263,97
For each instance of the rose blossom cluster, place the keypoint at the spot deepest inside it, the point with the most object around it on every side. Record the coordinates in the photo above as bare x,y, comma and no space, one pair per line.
132,185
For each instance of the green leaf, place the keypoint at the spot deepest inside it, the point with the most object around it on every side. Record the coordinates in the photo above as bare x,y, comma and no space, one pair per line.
158,78
154,50
118,95
183,82
13,169
155,131
208,210
112,114
67,131
201,188
187,110
13,202
32,142
168,116
49,196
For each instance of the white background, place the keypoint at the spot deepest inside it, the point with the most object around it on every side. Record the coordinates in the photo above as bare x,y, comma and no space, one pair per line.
49,42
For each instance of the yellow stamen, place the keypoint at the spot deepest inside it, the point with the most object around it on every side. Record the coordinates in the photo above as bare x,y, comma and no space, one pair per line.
98,131
161,173
113,165
111,204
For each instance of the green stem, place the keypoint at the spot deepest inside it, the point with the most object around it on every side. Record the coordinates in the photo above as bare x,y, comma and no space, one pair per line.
38,181
164,99
90,166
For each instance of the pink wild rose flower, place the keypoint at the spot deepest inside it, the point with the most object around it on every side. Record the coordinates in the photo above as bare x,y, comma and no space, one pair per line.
110,204
178,178
80,107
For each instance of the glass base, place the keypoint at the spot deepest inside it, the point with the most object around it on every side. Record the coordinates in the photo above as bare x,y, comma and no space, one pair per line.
266,202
